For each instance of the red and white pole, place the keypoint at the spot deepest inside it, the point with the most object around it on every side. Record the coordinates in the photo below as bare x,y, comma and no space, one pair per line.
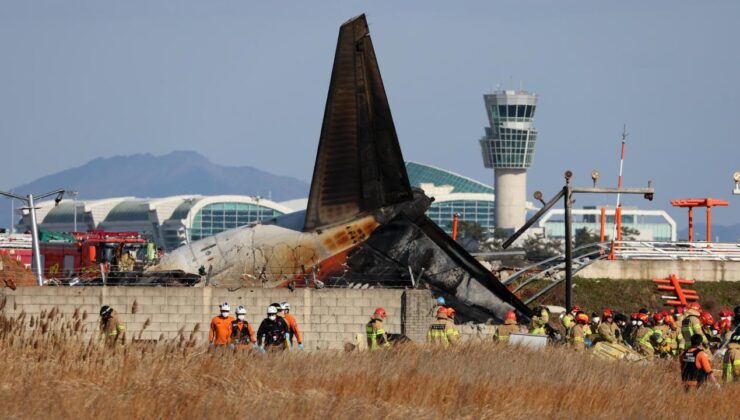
618,211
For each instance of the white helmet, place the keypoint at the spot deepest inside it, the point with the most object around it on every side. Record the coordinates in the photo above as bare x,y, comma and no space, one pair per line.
225,307
271,310
241,310
285,306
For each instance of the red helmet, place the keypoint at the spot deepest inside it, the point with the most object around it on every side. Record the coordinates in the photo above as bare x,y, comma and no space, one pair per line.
608,313
380,311
658,316
635,315
643,317
510,315
575,309
669,319
725,313
694,305
582,318
450,312
706,318
664,313
724,325
678,310
441,309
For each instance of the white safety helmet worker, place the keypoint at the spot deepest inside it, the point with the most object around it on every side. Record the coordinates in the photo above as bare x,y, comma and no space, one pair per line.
225,308
241,312
285,306
271,310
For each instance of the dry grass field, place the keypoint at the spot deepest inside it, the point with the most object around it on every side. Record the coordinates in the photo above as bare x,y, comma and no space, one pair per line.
49,371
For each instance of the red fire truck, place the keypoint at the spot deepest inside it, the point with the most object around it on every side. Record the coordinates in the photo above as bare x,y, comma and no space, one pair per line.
83,255
17,246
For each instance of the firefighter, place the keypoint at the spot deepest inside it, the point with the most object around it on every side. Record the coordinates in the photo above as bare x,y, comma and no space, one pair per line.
724,325
577,335
111,327
242,334
293,330
220,332
678,314
539,321
691,323
695,366
272,334
376,336
622,323
568,319
731,361
710,330
440,333
661,335
608,330
631,330
509,327
451,320
674,339
644,336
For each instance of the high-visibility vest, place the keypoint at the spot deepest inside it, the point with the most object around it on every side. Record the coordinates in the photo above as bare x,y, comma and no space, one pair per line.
645,339
729,366
373,335
438,334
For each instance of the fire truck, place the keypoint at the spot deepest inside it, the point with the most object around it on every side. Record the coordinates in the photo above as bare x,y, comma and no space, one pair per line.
17,246
84,255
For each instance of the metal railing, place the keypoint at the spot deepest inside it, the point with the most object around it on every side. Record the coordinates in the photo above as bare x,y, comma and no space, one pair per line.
677,251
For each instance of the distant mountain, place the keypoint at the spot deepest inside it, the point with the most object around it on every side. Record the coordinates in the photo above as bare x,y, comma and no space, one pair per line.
146,175
724,233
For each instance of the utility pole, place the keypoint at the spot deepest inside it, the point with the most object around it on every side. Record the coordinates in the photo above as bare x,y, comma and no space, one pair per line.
12,215
74,201
566,192
30,201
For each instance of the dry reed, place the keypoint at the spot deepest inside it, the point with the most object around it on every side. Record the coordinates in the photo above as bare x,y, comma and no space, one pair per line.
54,372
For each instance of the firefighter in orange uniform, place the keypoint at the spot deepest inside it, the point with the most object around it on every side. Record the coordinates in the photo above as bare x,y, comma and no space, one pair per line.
220,332
293,330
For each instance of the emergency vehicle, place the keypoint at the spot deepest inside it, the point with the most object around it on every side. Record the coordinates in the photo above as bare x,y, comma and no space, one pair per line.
83,255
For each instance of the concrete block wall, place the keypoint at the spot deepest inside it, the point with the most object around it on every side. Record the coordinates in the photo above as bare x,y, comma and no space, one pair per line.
328,318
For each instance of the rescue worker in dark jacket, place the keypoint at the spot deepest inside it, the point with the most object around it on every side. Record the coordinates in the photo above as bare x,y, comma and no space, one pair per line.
242,334
695,366
273,332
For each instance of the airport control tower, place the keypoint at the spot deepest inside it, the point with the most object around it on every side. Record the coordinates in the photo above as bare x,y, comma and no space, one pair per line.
508,147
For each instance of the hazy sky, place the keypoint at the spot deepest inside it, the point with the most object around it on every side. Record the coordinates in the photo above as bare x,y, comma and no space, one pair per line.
245,83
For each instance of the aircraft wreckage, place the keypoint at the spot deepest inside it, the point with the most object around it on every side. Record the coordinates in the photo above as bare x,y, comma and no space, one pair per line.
364,223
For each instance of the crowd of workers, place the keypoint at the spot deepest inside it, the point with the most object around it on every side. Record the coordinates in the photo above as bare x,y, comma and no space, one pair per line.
689,333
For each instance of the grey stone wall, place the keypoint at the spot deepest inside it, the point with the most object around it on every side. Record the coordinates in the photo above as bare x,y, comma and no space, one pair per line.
328,317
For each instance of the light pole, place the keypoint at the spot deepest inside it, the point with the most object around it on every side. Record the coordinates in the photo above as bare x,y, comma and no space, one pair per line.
566,193
29,200
74,201
736,177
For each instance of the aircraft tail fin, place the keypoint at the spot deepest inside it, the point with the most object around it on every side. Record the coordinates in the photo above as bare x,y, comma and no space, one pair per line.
359,166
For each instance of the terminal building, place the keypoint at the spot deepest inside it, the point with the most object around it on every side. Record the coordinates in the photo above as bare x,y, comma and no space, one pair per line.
472,200
652,225
168,222
173,221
